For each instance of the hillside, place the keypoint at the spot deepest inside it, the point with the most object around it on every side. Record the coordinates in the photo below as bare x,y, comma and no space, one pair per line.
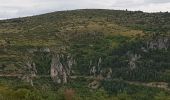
109,54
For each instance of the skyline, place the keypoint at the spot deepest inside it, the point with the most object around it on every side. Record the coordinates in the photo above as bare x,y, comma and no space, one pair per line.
23,8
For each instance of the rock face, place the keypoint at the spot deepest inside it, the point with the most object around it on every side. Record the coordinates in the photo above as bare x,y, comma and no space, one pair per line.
95,69
31,72
56,69
109,73
106,73
94,85
98,72
133,58
158,43
61,68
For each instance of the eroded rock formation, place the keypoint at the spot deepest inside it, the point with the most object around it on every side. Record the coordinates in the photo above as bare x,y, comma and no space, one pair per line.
61,68
158,43
133,58
95,69
30,72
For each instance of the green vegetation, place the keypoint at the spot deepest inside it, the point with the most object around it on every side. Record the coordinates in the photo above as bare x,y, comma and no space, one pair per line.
125,55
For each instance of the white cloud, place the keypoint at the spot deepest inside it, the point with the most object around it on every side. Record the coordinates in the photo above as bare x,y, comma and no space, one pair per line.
157,1
20,8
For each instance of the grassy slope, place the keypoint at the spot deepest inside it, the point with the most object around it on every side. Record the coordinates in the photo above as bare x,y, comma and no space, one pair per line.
20,34
50,30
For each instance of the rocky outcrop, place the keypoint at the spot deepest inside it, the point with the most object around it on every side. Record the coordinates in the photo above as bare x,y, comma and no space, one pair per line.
155,43
56,69
94,85
109,73
61,68
158,43
162,85
30,72
105,73
95,69
133,58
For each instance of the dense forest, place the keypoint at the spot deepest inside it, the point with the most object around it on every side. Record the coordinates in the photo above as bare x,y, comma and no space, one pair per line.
86,54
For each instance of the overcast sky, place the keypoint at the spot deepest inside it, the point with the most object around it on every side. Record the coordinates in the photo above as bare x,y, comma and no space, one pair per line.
21,8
